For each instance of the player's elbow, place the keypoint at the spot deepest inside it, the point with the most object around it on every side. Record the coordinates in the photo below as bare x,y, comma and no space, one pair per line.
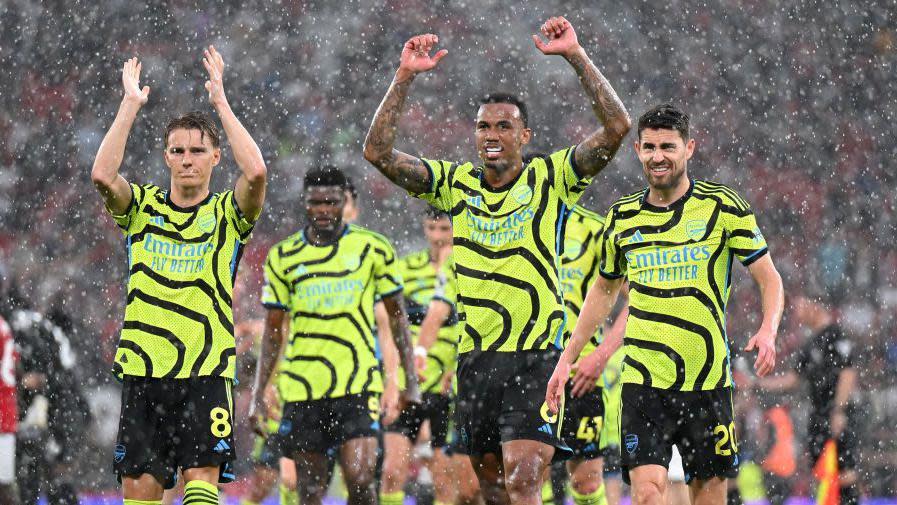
101,177
371,154
620,125
256,173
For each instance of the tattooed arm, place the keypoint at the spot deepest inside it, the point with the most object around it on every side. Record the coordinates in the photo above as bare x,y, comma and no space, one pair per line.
596,151
403,169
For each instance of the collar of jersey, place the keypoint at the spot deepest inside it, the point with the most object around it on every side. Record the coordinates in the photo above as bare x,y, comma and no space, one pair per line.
501,189
191,208
328,244
673,206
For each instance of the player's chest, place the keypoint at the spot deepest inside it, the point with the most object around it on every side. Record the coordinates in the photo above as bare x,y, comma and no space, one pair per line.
323,280
508,218
673,248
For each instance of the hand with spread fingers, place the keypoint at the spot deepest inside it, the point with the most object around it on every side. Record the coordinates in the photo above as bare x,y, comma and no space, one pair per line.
130,80
561,37
214,64
764,342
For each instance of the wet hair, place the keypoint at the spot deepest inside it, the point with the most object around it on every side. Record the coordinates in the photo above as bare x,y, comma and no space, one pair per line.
665,116
507,98
434,213
326,175
195,120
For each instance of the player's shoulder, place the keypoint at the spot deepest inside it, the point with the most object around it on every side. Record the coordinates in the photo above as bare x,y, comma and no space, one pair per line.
365,235
722,193
415,260
291,242
587,215
629,202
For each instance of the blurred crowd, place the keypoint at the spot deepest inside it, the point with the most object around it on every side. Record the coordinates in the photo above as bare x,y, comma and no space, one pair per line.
793,103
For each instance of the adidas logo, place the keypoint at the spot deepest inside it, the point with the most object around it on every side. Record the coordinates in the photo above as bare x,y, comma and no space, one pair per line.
546,428
637,237
221,447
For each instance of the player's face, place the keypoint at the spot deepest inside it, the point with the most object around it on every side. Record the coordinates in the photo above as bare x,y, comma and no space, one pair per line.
664,155
190,156
324,207
350,210
500,135
438,231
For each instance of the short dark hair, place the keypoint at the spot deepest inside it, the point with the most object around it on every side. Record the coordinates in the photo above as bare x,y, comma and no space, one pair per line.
194,120
507,98
434,213
665,116
326,175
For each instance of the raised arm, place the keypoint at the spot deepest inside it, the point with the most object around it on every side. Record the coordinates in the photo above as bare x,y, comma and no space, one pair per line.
596,151
403,169
250,188
595,308
269,353
114,189
772,297
395,307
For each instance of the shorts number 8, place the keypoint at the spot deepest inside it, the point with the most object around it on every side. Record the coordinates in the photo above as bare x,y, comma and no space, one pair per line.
220,422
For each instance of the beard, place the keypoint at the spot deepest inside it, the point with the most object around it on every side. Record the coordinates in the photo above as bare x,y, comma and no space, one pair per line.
668,181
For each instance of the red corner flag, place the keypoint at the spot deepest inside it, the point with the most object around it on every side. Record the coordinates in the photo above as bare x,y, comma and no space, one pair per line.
826,472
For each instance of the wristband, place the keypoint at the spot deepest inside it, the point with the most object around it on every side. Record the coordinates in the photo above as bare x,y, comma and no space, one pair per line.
420,351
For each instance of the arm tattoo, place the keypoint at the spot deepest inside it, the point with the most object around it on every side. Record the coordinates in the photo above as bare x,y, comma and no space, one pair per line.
600,146
403,169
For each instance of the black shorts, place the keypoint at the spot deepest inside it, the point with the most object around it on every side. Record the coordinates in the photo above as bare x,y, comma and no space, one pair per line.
167,424
321,426
433,407
501,397
699,423
583,421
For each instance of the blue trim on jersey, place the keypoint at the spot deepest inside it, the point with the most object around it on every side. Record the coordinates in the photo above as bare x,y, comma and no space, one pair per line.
128,245
233,261
274,305
558,249
753,257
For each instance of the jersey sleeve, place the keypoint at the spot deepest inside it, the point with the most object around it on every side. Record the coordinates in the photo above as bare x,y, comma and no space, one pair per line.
612,262
236,218
440,194
744,237
387,277
126,220
276,291
567,182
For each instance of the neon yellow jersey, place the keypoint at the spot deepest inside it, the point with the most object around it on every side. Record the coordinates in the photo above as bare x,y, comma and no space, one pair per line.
678,262
423,283
579,267
329,292
506,246
182,263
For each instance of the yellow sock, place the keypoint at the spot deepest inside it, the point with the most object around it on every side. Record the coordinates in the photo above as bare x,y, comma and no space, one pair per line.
392,498
142,502
596,498
245,501
547,493
288,496
200,492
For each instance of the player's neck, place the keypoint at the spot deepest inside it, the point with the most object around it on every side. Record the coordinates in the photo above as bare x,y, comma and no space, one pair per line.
187,196
501,176
319,237
664,197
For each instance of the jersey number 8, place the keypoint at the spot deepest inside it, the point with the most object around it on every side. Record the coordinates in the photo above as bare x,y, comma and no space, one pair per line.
220,422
